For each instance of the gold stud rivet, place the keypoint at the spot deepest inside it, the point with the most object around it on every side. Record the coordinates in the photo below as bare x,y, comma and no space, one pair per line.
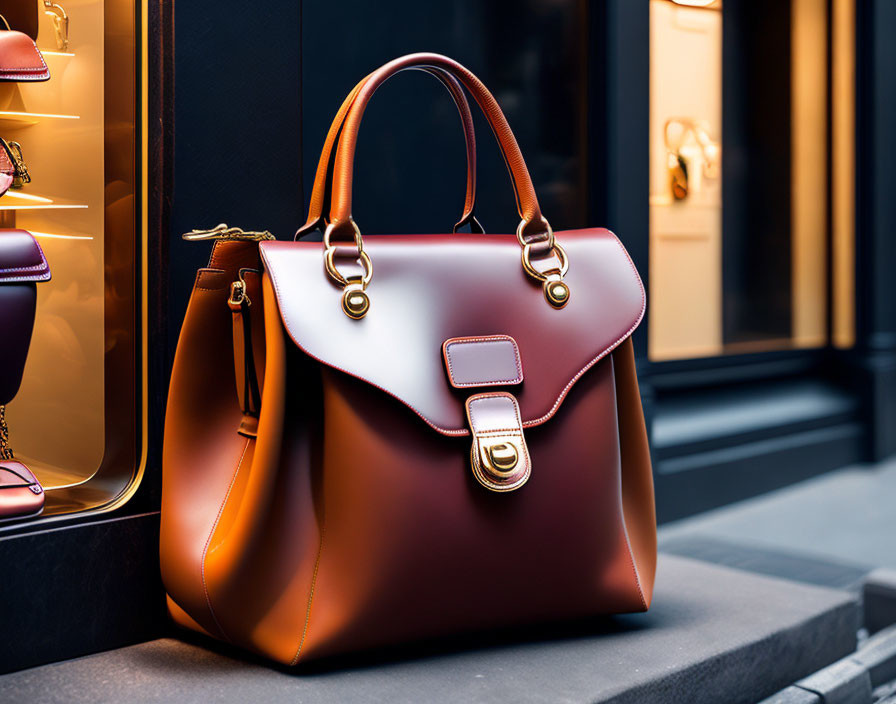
557,293
355,303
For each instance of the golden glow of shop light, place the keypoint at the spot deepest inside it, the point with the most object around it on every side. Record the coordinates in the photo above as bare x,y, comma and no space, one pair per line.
56,53
28,196
56,236
694,3
12,113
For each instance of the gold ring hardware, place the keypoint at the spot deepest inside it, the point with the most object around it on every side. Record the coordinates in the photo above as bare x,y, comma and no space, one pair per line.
223,232
502,458
355,301
337,276
555,290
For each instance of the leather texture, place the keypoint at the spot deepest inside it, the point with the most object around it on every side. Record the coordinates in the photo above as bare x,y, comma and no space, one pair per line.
20,492
352,517
20,59
491,360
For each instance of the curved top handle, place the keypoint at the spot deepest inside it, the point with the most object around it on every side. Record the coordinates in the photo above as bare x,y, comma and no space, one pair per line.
533,229
319,201
342,238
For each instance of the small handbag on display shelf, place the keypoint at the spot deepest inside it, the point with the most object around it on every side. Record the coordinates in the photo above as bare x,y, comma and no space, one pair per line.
22,266
381,439
13,171
20,59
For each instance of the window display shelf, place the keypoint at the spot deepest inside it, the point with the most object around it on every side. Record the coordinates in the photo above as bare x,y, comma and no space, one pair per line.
10,119
13,200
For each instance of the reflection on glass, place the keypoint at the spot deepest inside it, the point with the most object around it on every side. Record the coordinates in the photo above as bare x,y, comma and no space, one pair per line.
740,228
73,420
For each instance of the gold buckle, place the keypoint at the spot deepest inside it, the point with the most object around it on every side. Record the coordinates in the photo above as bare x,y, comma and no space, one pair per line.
238,294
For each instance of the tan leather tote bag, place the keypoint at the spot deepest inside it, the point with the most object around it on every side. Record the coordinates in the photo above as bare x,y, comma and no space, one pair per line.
381,439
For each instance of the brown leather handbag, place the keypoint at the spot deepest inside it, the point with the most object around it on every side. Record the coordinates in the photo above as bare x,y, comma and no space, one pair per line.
22,266
381,439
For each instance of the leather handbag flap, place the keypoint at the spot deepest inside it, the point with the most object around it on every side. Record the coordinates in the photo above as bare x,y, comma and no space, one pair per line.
20,59
427,289
21,258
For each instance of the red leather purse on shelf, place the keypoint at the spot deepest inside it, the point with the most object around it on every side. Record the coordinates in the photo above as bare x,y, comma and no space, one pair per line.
413,435
22,266
20,59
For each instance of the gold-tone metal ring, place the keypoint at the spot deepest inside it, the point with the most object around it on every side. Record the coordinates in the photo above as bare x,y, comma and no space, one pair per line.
522,240
555,271
335,274
359,243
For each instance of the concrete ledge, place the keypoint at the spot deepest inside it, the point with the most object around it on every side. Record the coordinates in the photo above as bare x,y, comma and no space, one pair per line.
714,634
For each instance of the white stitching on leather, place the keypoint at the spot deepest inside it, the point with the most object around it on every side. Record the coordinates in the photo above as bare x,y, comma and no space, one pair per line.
486,339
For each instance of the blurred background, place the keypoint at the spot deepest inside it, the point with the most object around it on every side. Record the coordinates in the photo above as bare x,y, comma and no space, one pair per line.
739,148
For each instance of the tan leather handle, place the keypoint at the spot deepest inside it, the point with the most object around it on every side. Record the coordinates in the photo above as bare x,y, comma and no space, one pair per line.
318,203
533,231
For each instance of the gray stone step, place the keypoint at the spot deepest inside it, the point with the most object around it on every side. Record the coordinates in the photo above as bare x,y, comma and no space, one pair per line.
714,634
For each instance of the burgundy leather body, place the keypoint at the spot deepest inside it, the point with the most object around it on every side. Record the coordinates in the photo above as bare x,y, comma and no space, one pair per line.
454,442
22,264
20,59
352,519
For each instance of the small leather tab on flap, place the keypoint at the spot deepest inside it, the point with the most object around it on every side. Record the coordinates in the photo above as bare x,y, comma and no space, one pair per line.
493,360
499,456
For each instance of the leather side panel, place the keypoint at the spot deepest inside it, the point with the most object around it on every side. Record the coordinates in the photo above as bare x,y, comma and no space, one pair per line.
202,448
261,560
637,475
17,307
414,547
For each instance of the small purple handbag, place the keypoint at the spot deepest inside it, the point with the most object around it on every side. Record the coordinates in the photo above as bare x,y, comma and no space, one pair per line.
22,265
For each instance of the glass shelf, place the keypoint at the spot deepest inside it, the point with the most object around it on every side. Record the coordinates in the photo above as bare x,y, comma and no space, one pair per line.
12,118
14,200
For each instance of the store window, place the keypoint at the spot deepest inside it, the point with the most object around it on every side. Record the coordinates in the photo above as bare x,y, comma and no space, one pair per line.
751,176
76,419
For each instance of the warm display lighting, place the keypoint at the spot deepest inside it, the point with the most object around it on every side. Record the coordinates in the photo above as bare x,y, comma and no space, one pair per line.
53,235
28,196
12,113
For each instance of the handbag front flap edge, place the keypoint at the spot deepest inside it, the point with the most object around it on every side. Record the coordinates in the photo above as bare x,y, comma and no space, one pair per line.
428,289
